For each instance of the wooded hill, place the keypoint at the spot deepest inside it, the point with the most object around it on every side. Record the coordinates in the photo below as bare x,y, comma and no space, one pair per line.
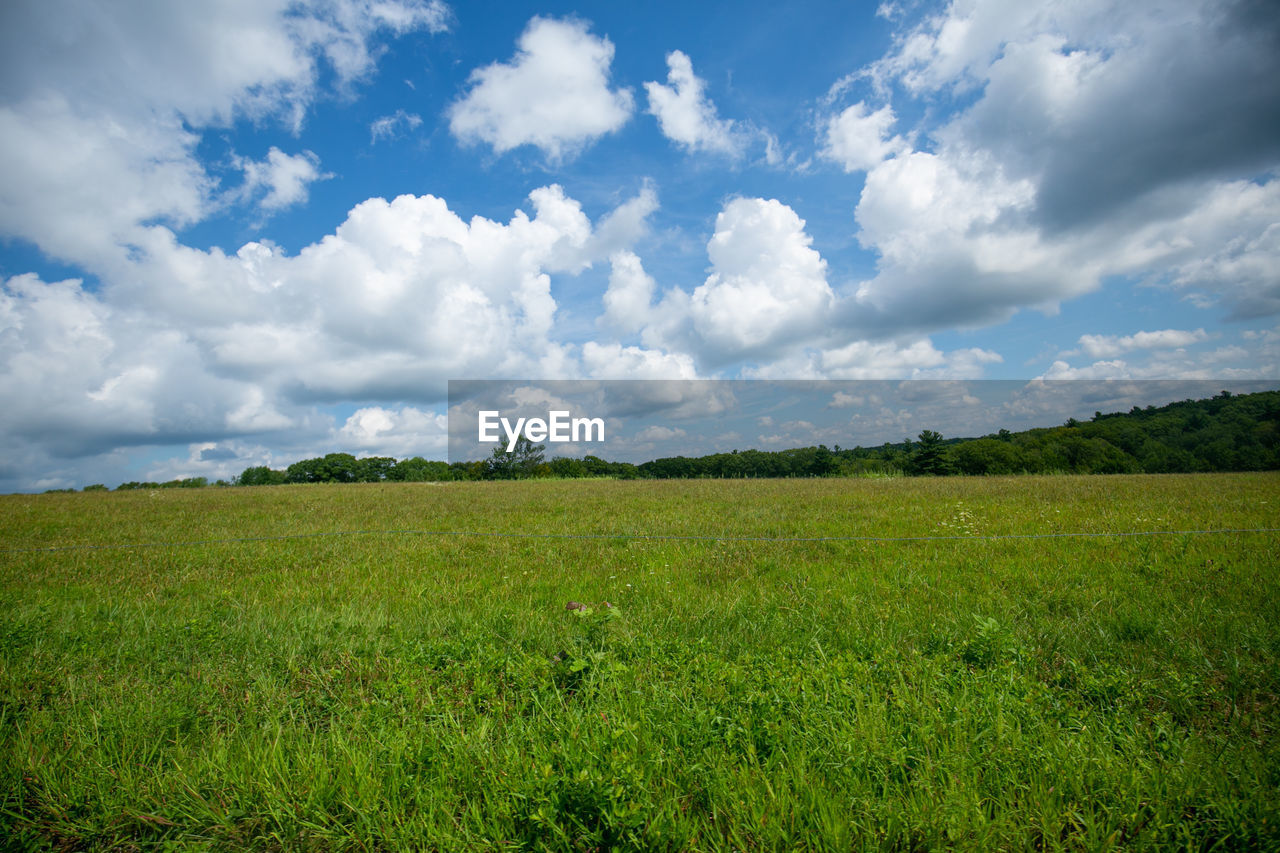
1223,433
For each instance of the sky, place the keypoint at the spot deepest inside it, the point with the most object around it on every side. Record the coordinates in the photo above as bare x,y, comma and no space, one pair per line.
246,232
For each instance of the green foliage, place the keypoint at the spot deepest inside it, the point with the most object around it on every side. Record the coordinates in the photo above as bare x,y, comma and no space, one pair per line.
373,469
521,463
1226,433
331,468
927,457
986,456
419,470
260,475
182,483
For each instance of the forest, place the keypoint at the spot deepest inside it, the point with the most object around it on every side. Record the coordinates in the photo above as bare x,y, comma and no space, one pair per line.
1222,433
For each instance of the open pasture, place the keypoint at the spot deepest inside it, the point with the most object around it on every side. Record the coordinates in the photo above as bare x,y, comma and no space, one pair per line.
405,690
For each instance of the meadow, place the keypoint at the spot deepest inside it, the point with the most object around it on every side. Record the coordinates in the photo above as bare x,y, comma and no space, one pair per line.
396,689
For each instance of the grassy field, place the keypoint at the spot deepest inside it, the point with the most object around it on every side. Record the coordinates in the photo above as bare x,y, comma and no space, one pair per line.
389,691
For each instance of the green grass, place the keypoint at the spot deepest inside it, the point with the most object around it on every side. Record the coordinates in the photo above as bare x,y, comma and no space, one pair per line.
409,691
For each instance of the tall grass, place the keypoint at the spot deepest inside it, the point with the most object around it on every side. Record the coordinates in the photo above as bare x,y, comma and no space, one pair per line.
409,691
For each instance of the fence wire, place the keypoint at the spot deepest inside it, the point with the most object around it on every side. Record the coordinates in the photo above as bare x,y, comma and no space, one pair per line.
643,537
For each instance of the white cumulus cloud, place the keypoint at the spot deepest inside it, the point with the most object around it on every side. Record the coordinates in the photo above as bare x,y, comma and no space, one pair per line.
1050,180
185,345
627,302
282,179
554,94
686,115
766,291
858,139
101,111
402,432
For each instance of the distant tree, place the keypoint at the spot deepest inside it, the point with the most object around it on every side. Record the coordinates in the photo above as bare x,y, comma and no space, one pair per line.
564,466
260,475
331,468
666,468
474,470
985,456
927,457
373,469
521,463
824,462
595,466
96,487
419,470
624,471
184,483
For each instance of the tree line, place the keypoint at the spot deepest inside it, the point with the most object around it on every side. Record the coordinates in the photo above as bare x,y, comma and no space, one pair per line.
1223,433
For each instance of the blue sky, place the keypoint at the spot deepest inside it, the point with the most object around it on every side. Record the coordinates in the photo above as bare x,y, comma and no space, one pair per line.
243,232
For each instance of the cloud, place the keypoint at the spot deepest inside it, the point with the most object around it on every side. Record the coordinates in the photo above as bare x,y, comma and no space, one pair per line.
1237,233
401,433
341,30
284,177
659,433
952,247
1097,141
858,139
767,306
630,294
1109,346
842,400
767,290
613,361
894,359
972,228
1102,123
78,185
82,376
391,126
686,115
190,346
101,114
768,284
627,223
1253,354
554,94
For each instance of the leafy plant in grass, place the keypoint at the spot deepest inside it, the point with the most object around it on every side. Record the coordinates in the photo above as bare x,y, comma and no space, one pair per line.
989,644
590,654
